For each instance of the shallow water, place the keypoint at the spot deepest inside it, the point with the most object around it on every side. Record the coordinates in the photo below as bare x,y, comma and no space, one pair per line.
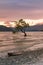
10,42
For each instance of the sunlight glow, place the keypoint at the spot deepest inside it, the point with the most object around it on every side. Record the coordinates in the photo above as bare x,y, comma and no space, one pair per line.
33,22
1,22
29,21
12,24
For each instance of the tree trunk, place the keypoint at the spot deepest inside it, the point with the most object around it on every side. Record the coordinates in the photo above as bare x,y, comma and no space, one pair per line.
24,32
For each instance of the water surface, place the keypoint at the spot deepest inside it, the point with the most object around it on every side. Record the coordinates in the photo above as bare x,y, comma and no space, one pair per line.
10,42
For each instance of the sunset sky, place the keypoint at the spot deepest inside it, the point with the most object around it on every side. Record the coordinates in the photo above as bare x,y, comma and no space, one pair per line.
17,9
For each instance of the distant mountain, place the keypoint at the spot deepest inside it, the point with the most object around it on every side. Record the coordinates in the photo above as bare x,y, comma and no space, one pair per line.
38,27
4,28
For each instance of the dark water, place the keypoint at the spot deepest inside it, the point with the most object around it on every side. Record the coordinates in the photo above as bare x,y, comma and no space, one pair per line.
18,43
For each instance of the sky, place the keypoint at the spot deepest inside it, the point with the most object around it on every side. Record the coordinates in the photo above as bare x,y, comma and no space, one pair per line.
16,9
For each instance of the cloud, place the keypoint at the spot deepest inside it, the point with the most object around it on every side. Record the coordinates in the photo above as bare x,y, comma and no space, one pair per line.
21,8
26,4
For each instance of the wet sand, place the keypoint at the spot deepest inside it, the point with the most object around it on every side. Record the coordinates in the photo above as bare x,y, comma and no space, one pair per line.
27,58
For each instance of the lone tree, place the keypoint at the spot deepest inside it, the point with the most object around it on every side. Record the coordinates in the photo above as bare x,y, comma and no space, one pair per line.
21,26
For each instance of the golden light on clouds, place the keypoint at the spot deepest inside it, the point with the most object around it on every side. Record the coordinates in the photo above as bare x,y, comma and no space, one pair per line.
1,22
31,22
12,24
34,22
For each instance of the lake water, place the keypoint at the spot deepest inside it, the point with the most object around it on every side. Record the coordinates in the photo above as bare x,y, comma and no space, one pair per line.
10,42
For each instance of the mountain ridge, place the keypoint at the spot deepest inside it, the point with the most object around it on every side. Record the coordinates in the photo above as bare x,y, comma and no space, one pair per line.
4,28
38,27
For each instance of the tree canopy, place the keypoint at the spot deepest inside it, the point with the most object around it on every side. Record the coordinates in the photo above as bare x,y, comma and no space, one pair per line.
21,25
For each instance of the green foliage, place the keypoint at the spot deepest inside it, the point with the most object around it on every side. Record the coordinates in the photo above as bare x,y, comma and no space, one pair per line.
21,25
